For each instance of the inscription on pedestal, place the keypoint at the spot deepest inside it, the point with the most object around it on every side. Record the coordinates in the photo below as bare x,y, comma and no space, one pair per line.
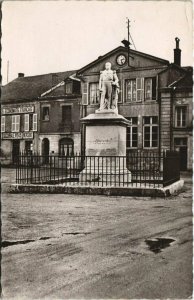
102,152
91,152
108,152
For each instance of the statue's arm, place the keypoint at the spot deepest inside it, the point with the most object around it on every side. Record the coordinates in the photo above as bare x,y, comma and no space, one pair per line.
100,81
116,80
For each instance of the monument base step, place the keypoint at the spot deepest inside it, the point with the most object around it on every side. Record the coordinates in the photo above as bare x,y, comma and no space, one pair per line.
120,178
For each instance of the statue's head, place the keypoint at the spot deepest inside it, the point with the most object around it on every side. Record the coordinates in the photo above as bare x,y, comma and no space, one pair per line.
108,66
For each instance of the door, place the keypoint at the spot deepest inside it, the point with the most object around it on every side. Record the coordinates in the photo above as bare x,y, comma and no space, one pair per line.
183,158
15,151
45,150
181,145
28,147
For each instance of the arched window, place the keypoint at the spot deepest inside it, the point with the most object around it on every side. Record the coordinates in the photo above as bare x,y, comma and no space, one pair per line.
66,147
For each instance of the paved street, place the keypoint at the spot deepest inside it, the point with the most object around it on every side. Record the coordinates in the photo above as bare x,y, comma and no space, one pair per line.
71,246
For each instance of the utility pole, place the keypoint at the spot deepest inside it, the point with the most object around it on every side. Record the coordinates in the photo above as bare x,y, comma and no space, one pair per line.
128,25
7,71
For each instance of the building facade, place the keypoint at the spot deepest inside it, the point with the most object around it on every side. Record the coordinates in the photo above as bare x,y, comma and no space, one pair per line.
60,118
148,98
40,114
155,96
19,129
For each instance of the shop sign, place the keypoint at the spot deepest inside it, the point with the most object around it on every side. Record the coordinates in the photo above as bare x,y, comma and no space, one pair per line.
17,135
19,109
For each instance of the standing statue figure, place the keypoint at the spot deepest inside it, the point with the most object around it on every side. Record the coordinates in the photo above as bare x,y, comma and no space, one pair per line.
109,88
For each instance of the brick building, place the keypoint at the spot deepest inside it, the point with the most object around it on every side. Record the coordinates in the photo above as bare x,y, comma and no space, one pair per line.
155,95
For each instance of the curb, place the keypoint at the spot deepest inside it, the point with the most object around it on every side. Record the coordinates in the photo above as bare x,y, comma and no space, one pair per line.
108,191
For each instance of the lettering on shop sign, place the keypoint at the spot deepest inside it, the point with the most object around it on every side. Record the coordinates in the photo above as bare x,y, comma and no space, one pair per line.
17,135
22,109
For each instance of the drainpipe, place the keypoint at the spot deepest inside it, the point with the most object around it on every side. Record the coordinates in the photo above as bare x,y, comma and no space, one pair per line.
158,95
171,117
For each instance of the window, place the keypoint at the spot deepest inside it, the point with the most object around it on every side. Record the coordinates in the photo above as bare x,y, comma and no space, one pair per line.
2,123
150,88
140,89
150,131
85,93
66,114
94,93
134,90
30,122
66,146
26,122
34,122
180,141
45,113
131,90
180,116
15,125
132,133
68,88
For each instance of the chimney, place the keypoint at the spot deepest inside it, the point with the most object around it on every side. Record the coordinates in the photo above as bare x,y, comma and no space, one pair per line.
177,53
126,43
55,79
20,75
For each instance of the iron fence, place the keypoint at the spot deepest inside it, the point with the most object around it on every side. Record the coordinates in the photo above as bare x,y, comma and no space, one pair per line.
134,170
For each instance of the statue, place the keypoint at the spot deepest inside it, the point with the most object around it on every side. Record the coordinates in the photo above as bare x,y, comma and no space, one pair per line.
109,89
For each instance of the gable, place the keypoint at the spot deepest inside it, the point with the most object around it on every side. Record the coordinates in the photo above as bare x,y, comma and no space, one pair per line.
138,60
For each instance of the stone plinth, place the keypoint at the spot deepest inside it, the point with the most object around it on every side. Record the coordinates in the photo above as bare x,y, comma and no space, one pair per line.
105,142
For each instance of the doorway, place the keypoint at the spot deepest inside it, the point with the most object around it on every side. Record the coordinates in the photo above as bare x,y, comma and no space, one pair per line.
180,144
28,147
45,150
183,158
15,151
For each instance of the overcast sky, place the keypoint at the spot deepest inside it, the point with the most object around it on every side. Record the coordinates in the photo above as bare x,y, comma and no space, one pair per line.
40,37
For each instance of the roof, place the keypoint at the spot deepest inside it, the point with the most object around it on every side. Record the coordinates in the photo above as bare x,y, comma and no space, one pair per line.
31,87
174,66
186,81
121,48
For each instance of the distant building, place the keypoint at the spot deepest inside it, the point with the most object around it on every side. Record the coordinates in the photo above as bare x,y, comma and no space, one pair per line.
43,113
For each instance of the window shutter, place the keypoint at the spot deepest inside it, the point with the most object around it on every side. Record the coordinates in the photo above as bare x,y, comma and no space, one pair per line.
140,88
13,123
34,126
154,88
3,124
26,122
17,126
85,94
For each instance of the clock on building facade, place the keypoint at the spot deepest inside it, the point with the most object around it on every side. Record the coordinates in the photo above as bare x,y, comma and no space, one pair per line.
121,59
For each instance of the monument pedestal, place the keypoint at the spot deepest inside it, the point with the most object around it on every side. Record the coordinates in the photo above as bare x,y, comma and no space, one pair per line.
105,142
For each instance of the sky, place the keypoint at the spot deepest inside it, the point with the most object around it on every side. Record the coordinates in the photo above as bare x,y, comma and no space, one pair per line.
40,37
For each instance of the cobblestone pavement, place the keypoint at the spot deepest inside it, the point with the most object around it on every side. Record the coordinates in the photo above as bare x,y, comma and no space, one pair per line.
71,246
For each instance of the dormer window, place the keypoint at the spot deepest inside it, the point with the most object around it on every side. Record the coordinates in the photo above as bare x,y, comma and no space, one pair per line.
68,87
